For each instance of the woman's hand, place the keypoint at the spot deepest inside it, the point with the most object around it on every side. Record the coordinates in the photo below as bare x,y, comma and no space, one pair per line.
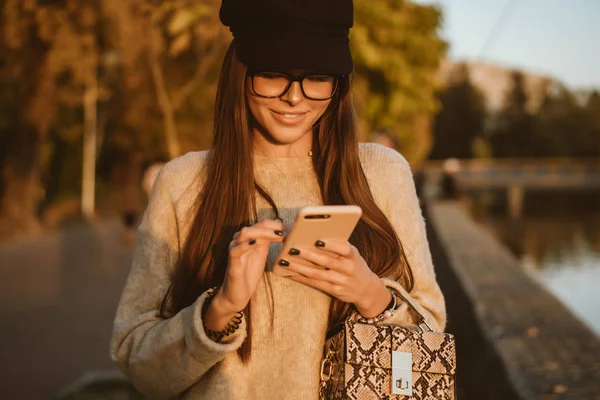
337,268
247,257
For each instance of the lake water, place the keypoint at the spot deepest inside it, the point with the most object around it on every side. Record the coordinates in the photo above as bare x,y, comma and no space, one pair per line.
557,240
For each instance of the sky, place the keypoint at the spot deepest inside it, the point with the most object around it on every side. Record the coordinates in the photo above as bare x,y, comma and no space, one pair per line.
558,38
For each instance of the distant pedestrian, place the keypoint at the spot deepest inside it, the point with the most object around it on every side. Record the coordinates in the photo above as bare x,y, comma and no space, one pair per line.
449,189
385,137
150,174
133,203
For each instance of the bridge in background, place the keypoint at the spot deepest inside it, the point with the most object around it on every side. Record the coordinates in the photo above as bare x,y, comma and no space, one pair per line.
543,173
518,175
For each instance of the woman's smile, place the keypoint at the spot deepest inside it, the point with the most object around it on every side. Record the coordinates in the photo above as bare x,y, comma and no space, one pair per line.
289,118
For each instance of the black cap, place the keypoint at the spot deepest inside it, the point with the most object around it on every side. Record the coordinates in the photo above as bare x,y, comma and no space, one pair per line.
271,35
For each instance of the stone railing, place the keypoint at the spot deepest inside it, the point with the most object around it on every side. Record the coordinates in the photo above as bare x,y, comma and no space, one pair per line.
515,340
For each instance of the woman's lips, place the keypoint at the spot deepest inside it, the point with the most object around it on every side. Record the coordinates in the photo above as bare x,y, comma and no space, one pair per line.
289,118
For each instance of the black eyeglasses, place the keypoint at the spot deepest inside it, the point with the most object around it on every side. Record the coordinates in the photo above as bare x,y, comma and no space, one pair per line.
272,85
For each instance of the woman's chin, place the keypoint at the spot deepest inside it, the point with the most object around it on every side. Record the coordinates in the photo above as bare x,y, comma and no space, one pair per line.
289,135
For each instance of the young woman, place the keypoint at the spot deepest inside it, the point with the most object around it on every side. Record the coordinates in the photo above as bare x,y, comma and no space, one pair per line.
202,316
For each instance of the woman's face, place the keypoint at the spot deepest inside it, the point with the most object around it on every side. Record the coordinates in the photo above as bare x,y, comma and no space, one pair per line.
287,119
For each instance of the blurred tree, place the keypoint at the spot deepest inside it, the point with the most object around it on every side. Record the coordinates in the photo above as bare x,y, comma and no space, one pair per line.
397,53
549,126
563,128
155,65
170,54
133,52
592,109
461,119
579,126
512,135
593,106
35,45
71,52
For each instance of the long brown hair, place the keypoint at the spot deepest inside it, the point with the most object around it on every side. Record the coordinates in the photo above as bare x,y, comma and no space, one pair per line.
227,200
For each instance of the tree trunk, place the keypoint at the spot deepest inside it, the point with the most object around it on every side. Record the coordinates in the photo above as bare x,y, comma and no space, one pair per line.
155,49
419,146
166,108
21,185
34,86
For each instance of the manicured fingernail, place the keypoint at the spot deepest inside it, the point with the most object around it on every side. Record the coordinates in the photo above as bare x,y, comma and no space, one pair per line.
320,243
252,242
278,219
284,263
294,252
279,233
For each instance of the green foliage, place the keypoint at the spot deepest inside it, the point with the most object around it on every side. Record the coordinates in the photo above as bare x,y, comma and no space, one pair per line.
397,53
592,110
155,65
565,125
513,135
460,121
564,128
395,45
481,148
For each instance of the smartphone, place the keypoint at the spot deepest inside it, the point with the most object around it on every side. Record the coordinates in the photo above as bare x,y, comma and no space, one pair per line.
315,223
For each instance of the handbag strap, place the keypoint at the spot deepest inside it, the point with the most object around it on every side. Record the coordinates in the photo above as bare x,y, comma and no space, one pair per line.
421,322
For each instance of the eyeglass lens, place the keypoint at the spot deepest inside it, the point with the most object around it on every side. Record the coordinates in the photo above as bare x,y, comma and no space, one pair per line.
274,85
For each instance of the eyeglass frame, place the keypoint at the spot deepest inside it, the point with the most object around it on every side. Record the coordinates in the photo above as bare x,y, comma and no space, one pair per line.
295,78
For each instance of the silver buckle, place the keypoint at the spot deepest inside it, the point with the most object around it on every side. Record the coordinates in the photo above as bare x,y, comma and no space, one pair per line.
423,324
327,367
402,379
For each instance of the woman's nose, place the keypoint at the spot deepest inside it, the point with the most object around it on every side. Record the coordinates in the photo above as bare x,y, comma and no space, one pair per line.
294,94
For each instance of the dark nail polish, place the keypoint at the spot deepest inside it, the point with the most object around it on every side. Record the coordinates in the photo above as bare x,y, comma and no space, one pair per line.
279,233
284,263
294,252
320,243
252,242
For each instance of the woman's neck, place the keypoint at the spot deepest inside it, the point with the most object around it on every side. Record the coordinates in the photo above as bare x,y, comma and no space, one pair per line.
266,148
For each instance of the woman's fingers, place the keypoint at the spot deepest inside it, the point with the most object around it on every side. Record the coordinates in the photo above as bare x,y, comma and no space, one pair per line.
319,258
274,225
265,232
323,286
237,249
341,248
310,271
255,232
326,259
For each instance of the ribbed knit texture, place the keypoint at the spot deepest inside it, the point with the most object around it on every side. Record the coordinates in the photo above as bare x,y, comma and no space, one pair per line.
174,357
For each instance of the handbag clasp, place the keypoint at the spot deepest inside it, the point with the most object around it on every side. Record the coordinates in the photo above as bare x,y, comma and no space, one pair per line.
402,378
327,366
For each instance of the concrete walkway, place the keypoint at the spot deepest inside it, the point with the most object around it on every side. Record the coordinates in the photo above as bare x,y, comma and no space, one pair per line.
514,339
57,304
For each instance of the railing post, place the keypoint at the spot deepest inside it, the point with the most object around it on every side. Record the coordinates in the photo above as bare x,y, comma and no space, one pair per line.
516,195
88,181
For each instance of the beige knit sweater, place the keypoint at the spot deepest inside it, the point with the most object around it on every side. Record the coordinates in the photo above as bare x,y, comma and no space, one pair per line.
174,357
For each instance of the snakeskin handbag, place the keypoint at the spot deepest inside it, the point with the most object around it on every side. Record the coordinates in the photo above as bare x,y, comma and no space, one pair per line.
365,361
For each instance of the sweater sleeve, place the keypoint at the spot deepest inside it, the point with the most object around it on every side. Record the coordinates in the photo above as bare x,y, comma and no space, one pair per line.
403,209
162,357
